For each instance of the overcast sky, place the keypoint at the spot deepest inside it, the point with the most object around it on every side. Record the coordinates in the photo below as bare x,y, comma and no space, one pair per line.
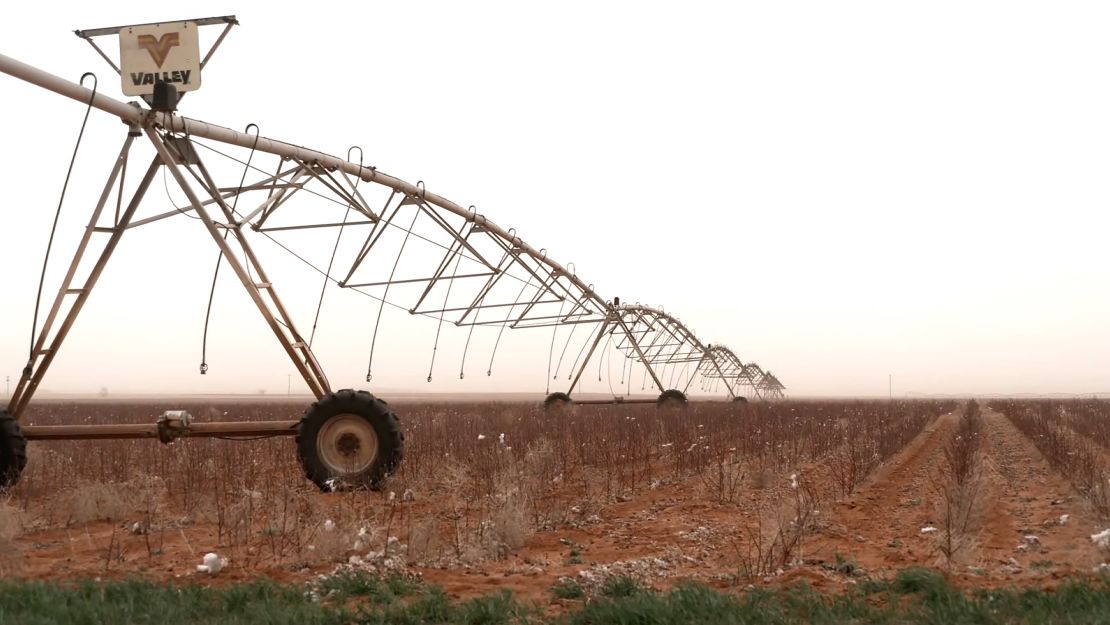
837,191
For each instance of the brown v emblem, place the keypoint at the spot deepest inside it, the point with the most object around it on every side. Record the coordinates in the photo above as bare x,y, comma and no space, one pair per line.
159,49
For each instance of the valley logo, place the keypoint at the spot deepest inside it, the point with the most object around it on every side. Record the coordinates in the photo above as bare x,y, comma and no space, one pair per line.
159,48
156,53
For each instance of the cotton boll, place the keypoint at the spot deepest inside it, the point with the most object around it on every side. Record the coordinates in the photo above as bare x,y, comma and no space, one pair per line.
1102,539
212,564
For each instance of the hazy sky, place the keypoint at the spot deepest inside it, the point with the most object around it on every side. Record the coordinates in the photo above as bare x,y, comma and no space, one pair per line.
837,191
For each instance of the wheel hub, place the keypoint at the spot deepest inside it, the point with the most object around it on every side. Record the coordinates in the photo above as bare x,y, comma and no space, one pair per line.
347,444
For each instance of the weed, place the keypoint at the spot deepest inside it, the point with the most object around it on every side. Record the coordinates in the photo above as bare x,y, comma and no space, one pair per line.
574,557
567,588
621,586
356,583
847,566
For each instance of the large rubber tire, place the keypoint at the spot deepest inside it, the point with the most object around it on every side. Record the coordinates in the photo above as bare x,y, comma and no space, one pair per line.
740,399
557,401
13,451
672,398
349,440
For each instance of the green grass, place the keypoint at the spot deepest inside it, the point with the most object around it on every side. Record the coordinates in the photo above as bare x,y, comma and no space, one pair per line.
914,596
620,587
355,584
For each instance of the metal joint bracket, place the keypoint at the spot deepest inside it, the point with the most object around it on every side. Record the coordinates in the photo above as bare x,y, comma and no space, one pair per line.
173,424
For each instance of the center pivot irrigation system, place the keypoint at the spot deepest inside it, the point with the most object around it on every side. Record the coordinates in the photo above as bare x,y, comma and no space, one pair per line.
405,247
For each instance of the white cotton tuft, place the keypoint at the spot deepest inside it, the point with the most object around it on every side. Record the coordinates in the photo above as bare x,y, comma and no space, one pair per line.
1102,539
213,564
929,529
329,525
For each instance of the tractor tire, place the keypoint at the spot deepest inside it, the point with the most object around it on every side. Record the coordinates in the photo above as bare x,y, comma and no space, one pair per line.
557,401
672,398
13,451
349,440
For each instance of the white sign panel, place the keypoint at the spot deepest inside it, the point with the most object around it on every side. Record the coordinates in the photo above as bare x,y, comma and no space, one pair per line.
159,53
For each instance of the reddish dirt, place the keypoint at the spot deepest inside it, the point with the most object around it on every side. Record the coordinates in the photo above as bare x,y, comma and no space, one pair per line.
693,536
879,526
1028,498
1020,496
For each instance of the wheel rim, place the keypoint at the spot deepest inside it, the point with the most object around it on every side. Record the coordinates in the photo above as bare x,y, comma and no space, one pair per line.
347,444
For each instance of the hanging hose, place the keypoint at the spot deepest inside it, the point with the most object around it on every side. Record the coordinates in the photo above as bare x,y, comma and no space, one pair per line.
624,363
570,337
551,349
442,312
466,348
331,263
470,333
54,228
220,257
516,302
570,374
602,358
609,369
381,307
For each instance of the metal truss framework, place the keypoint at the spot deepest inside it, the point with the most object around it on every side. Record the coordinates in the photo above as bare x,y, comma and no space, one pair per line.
405,247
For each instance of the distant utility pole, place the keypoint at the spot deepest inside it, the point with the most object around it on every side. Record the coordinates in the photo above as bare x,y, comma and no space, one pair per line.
289,384
890,387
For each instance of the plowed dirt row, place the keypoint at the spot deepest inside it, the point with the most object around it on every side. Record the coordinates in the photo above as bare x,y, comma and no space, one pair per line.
1029,498
879,526
1028,523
